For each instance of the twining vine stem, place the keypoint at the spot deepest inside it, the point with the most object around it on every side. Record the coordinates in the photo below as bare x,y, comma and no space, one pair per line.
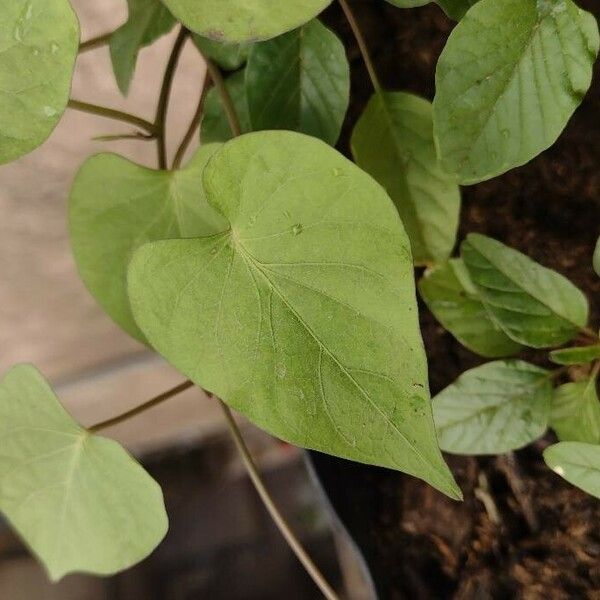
112,113
160,122
96,42
283,527
362,44
194,123
228,106
142,407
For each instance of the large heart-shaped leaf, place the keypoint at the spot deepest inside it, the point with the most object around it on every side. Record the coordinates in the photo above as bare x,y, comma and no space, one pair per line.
215,127
244,20
39,40
393,141
302,315
116,206
535,306
509,79
148,20
495,408
453,299
299,81
79,501
575,412
578,463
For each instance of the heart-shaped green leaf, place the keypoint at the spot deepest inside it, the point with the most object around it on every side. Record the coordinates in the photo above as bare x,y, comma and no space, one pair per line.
578,463
579,355
79,501
39,40
495,408
509,79
393,141
299,81
238,21
575,412
303,314
148,20
116,206
453,299
215,126
535,306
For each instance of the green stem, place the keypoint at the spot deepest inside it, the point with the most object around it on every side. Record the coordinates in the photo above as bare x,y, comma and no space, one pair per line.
282,525
111,113
228,106
142,407
362,44
195,122
160,122
96,42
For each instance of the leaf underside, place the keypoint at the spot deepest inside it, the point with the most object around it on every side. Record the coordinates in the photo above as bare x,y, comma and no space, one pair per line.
39,40
302,315
578,463
79,501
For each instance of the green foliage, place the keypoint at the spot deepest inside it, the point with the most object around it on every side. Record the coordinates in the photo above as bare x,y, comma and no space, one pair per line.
302,315
38,46
575,412
227,56
148,20
508,80
393,141
240,21
492,409
299,81
578,463
79,501
455,9
215,126
451,296
533,305
575,356
109,222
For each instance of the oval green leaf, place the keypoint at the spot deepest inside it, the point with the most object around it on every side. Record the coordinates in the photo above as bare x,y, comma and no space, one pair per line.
238,21
393,142
79,501
148,20
215,126
39,40
299,81
116,206
303,314
575,414
492,409
578,463
509,79
579,355
453,299
535,306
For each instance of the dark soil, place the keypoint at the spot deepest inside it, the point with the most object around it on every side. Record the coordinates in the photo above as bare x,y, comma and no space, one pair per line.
544,541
